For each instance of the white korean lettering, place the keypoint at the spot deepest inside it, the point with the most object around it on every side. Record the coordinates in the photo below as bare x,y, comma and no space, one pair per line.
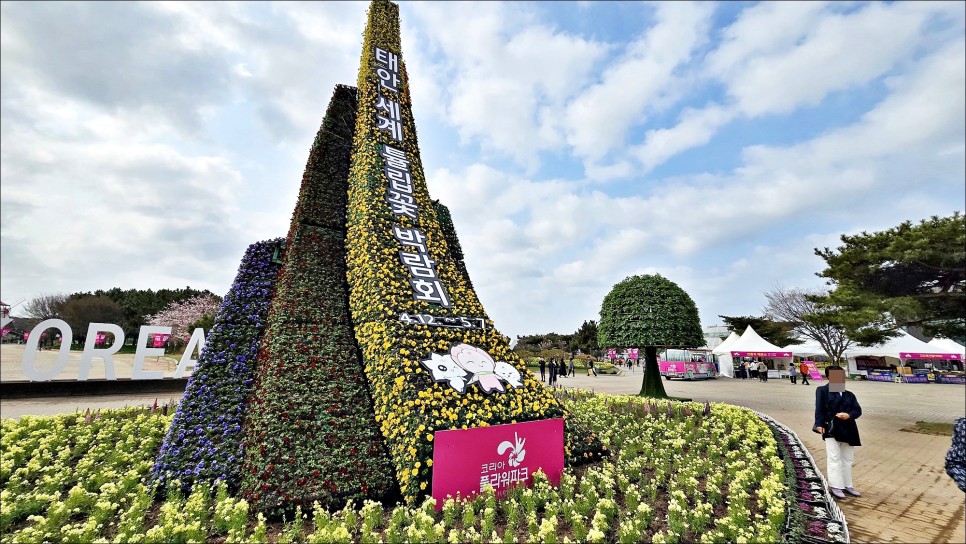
394,127
429,291
387,59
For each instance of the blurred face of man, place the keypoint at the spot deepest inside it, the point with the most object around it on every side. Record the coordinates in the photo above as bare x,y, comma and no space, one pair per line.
836,380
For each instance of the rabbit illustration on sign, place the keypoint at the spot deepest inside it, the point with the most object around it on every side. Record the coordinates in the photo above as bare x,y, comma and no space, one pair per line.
466,364
478,362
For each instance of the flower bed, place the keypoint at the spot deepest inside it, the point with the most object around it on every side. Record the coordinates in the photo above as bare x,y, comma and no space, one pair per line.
679,472
813,515
77,477
204,440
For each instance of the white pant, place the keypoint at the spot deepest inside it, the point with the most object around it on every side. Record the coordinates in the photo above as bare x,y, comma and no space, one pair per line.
839,458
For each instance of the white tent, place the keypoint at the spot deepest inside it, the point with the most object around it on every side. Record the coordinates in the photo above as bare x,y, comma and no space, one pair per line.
905,346
752,345
808,347
725,365
948,346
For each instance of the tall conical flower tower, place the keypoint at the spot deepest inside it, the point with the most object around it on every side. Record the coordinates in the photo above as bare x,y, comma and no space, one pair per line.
433,358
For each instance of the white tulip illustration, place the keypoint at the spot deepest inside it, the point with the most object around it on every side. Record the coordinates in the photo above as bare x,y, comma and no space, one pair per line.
517,452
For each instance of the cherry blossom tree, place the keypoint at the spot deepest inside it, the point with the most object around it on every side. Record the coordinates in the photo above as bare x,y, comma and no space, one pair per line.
180,315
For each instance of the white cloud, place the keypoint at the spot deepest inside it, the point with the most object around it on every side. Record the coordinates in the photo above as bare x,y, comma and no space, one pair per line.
597,121
834,52
695,129
510,77
159,159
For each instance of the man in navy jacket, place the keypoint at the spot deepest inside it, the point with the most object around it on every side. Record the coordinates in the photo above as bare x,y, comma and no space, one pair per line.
835,413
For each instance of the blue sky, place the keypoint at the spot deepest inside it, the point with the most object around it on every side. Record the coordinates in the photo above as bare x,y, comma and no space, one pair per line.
576,143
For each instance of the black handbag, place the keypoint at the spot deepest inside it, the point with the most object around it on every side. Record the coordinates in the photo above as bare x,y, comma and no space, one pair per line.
830,429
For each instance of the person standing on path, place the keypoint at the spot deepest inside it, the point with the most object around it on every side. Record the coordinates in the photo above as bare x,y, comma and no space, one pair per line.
804,369
572,373
836,410
762,371
553,372
543,370
791,373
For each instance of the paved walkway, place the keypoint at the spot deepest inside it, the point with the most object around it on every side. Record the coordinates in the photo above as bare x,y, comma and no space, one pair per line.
907,496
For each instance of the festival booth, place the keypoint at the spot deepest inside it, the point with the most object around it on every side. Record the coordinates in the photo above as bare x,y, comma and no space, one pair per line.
754,347
807,351
726,365
946,345
905,358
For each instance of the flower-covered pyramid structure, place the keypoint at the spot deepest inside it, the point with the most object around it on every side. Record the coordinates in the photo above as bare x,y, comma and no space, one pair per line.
433,358
371,339
310,432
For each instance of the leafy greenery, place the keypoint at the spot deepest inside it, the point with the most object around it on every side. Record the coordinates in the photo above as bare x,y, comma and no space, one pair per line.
797,308
585,338
138,304
776,332
541,342
452,241
649,312
909,275
79,312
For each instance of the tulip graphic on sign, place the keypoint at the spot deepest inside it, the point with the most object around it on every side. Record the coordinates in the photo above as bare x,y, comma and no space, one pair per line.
517,453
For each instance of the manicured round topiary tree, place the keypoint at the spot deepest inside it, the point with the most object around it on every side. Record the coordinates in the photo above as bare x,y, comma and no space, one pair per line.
649,312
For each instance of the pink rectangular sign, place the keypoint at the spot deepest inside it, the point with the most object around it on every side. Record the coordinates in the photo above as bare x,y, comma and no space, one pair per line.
937,356
464,461
813,371
772,354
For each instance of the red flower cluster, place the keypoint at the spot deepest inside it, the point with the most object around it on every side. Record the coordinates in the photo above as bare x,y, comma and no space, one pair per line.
311,415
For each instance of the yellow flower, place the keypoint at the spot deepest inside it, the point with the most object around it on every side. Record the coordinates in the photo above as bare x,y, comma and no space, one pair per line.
429,437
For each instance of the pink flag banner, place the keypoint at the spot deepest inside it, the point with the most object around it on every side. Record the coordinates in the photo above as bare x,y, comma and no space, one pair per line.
933,356
632,353
612,354
101,337
465,461
160,339
26,335
771,354
4,331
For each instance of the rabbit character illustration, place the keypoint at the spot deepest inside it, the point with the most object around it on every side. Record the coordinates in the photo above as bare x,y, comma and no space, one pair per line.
507,373
480,364
445,369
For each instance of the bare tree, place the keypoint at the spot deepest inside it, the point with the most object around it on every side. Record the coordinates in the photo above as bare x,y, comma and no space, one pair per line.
45,307
794,306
